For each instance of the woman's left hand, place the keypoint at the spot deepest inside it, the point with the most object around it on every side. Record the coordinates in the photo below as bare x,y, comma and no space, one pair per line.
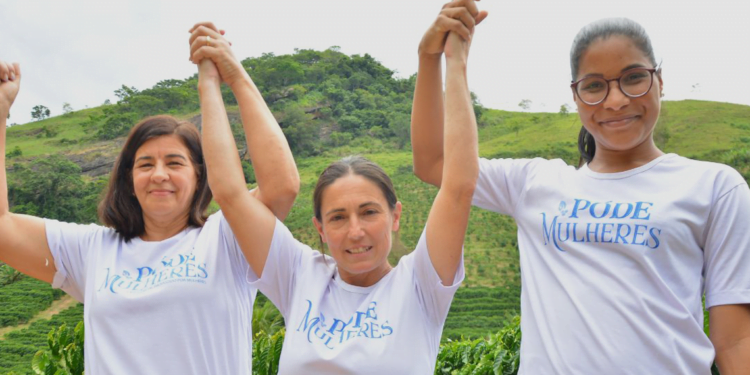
208,42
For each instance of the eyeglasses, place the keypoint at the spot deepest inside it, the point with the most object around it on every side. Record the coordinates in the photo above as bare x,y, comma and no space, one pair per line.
634,83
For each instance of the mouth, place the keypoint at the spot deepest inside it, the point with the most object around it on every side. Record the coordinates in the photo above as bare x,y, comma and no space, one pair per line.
619,121
359,250
160,192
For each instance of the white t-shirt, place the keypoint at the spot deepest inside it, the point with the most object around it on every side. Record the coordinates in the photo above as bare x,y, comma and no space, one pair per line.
392,327
179,306
614,265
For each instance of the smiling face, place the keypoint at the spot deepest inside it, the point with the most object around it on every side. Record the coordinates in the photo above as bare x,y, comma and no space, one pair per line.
164,179
619,123
357,224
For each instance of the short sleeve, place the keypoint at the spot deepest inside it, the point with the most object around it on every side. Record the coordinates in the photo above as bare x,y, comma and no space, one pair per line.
501,183
435,297
286,258
70,245
727,249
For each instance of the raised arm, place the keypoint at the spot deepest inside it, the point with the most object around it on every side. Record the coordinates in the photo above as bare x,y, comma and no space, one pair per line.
275,170
449,216
251,219
23,241
730,333
460,17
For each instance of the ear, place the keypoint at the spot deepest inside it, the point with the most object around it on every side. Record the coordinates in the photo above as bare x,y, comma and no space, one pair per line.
661,84
396,217
319,227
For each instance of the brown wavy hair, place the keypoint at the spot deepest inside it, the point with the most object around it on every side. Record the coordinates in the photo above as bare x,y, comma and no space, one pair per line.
120,208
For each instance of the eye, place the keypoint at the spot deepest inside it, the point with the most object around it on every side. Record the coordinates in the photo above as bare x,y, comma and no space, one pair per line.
634,77
175,163
336,218
144,166
370,212
592,85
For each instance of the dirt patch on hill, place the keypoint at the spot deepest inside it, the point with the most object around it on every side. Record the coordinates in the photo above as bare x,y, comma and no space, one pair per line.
58,306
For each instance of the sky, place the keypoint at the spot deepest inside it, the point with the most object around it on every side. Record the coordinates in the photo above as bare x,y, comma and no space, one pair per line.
80,51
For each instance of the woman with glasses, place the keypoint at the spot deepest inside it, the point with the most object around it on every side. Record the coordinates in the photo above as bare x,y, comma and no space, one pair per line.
616,254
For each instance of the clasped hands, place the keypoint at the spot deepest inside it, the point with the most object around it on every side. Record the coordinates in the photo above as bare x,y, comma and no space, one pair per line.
452,31
207,44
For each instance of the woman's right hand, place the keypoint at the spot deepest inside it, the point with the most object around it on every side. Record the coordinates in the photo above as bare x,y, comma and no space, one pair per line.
10,81
458,16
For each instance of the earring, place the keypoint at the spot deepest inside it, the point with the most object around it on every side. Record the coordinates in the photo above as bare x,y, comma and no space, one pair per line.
662,95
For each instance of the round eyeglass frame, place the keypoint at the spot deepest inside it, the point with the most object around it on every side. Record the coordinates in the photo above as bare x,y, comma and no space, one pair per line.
651,71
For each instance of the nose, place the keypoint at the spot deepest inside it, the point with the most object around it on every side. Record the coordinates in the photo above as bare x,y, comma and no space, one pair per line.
160,173
615,99
355,228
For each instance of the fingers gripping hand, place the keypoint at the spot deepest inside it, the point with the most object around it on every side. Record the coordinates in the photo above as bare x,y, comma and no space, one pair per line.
10,82
208,42
458,16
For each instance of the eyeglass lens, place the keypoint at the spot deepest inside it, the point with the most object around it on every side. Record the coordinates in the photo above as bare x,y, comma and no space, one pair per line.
633,83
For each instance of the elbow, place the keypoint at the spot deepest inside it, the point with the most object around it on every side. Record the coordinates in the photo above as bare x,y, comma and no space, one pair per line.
284,197
465,192
419,172
462,189
425,173
287,192
224,195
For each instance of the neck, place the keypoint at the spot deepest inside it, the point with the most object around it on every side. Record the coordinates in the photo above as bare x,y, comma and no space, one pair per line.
365,279
157,229
612,161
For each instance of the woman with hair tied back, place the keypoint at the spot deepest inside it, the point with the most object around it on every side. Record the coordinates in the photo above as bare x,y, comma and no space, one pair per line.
165,288
616,254
352,312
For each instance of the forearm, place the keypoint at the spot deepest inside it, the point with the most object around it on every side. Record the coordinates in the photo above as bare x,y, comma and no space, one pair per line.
222,160
734,359
460,163
427,121
273,163
730,334
4,206
449,215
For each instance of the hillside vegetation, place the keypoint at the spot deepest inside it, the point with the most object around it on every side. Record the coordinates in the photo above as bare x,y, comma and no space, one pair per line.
330,105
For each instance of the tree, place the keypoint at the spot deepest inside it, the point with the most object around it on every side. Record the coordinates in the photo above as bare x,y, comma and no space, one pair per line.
67,108
125,92
300,130
52,187
525,104
40,112
564,109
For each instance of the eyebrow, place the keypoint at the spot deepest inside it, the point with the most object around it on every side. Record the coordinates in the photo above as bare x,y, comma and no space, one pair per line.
168,157
336,210
631,66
